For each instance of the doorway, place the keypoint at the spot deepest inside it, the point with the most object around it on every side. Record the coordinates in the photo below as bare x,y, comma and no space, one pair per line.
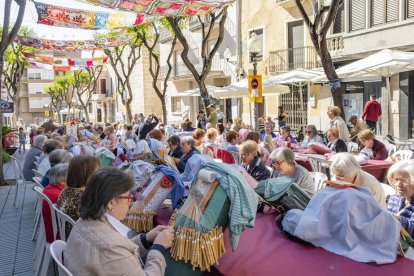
99,115
296,43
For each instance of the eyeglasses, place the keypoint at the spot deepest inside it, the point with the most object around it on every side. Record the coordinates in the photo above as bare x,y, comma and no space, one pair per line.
308,131
129,197
277,164
403,181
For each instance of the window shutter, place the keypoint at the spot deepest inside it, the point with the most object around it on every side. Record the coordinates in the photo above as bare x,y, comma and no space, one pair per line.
357,16
339,26
392,10
377,12
409,8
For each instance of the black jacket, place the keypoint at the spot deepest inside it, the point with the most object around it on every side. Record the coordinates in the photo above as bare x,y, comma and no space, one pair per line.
340,146
184,159
258,171
145,128
177,153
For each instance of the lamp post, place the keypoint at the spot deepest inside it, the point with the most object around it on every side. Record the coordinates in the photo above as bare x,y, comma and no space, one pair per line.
254,46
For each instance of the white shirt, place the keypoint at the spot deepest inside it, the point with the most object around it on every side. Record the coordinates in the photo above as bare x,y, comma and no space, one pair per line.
119,226
44,166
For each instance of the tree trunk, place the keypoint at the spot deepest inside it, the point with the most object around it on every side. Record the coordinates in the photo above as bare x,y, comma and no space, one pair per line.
128,111
86,111
164,111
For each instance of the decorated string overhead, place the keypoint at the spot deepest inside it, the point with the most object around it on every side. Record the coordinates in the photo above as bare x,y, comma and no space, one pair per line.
72,45
55,67
170,8
64,61
75,18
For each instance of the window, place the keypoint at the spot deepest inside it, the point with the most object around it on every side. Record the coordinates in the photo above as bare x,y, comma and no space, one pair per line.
36,88
90,108
39,102
34,76
384,11
339,23
175,104
409,8
102,85
357,18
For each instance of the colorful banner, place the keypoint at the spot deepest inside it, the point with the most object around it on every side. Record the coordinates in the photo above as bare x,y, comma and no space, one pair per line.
167,8
72,45
74,18
55,67
63,61
255,88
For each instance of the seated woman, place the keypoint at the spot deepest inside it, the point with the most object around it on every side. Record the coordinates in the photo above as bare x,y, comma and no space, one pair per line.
238,125
221,131
285,135
401,177
58,156
251,161
198,136
174,145
57,183
311,136
188,148
111,137
375,149
334,143
99,244
283,162
268,131
209,144
261,149
80,168
346,168
43,161
231,142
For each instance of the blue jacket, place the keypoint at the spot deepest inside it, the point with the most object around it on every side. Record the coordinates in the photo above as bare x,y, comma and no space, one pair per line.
257,170
178,191
395,205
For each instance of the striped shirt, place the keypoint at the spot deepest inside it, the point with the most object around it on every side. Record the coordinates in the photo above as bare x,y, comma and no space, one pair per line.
29,164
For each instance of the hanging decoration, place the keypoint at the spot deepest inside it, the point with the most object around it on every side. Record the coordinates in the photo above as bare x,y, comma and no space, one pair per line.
74,18
64,61
173,8
72,45
55,67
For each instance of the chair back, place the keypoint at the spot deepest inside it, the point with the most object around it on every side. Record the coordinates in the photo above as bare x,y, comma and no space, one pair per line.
42,196
57,250
236,157
318,178
37,173
37,181
225,156
352,146
18,169
62,219
404,154
391,148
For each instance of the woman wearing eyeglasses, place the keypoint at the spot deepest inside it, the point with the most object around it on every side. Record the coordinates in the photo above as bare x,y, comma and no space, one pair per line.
401,177
99,244
346,168
311,136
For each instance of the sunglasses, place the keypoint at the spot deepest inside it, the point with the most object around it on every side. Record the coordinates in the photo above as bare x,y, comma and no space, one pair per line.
129,197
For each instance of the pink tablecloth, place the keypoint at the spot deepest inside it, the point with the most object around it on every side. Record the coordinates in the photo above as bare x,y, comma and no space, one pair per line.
263,250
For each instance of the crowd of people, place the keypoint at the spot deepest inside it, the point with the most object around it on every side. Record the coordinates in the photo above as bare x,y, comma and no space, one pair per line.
99,242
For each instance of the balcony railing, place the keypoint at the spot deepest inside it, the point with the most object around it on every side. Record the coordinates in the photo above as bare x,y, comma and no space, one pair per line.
218,64
335,43
195,24
165,36
293,58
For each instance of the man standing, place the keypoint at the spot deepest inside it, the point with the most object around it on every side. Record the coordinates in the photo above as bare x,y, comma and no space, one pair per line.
372,112
220,115
213,115
201,120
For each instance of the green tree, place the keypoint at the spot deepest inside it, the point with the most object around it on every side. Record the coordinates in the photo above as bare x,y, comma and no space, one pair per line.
57,95
66,82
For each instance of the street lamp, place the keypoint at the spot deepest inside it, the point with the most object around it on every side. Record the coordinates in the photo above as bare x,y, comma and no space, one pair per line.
254,46
227,55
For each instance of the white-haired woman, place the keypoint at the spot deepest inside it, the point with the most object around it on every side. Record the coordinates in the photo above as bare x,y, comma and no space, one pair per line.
346,168
401,177
283,162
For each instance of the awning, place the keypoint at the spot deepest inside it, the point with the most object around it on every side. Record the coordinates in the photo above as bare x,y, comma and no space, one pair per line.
195,92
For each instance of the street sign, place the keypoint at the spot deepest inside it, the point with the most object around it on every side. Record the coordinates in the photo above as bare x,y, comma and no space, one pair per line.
6,107
255,88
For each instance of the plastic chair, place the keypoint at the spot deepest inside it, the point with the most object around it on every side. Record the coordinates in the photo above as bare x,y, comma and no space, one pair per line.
57,251
404,154
390,148
352,146
38,208
319,164
37,174
62,219
318,178
18,174
225,156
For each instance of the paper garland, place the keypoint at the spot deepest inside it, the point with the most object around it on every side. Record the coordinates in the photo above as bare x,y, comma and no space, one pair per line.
74,18
55,67
63,61
167,8
72,45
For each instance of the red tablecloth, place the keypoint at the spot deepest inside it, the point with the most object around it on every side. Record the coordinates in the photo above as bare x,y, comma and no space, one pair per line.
263,250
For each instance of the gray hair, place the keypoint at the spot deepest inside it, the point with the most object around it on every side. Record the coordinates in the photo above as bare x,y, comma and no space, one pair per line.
58,174
59,156
313,128
283,154
404,166
345,164
188,140
39,140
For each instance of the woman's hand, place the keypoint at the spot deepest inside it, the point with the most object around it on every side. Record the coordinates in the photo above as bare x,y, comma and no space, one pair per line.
151,235
165,238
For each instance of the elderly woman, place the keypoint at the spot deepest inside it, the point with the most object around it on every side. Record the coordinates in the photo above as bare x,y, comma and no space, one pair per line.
231,142
198,136
334,143
98,244
370,146
311,136
238,125
346,168
283,162
35,151
49,146
174,145
268,131
80,169
56,184
188,148
56,157
243,135
334,114
251,161
285,135
401,177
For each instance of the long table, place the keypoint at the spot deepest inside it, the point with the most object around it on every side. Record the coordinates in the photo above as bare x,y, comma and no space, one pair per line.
263,250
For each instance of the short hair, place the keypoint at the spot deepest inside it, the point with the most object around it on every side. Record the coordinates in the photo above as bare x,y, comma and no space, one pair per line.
189,124
353,117
220,128
20,128
249,146
253,136
99,128
110,128
155,134
345,163
39,140
100,190
283,154
209,125
231,135
59,156
188,140
334,132
286,128
366,134
80,168
174,140
404,166
336,111
312,128
198,133
373,96
58,174
50,145
211,133
201,111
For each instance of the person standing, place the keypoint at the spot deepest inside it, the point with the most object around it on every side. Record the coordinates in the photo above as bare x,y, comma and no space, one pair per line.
372,112
150,123
220,115
212,118
337,122
281,117
201,120
22,140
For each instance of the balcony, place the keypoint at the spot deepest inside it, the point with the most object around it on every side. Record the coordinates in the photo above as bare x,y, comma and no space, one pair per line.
286,3
294,58
195,25
165,36
219,67
335,42
102,96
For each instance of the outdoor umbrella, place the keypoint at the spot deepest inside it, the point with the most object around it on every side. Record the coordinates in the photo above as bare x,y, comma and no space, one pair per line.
196,91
